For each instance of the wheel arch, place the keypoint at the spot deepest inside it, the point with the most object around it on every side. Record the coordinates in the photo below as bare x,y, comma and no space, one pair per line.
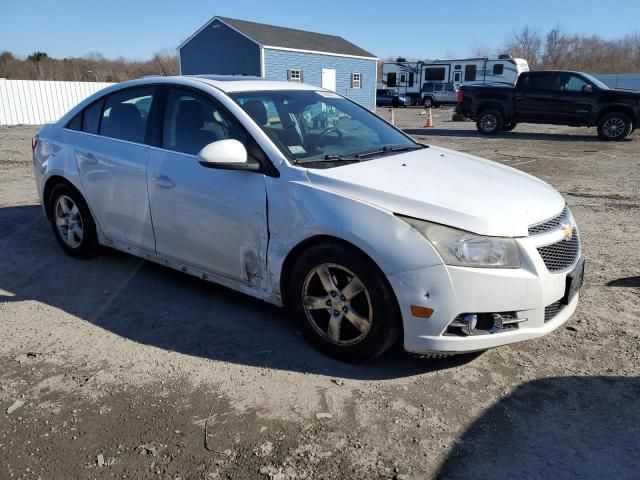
296,252
617,109
50,184
491,106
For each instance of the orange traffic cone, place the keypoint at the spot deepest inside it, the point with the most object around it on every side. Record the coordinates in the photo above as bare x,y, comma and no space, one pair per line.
428,123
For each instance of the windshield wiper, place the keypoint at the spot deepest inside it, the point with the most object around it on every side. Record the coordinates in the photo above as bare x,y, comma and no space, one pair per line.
390,149
330,159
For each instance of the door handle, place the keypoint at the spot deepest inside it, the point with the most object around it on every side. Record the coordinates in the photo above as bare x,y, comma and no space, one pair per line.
163,181
88,158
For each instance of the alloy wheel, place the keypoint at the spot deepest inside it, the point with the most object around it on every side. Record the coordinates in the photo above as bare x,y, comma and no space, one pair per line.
337,304
68,221
488,123
613,127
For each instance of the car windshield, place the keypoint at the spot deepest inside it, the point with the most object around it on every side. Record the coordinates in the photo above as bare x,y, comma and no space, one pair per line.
315,127
595,81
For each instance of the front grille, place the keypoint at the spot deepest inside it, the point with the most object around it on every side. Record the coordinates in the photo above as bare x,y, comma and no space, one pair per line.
552,310
551,224
561,255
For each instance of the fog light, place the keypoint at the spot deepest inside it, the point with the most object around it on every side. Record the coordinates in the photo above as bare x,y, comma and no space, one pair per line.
467,323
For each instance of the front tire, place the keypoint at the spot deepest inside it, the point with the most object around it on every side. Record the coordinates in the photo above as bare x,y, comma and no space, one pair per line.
490,122
614,126
428,102
343,303
72,222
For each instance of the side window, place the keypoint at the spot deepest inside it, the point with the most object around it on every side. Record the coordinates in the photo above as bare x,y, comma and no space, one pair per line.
448,87
470,73
126,114
91,117
437,88
411,79
544,81
571,83
498,68
192,121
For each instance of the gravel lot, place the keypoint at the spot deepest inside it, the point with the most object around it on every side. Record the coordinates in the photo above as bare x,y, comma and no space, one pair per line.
116,364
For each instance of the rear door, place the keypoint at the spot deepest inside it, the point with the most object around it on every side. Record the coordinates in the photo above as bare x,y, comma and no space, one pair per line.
537,98
112,153
208,218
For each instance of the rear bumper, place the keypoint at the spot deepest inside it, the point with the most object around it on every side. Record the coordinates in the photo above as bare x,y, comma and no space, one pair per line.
454,291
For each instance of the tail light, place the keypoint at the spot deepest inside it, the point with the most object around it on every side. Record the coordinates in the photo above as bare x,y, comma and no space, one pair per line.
34,143
460,96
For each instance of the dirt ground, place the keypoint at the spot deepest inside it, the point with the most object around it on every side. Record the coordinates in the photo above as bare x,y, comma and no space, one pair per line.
113,367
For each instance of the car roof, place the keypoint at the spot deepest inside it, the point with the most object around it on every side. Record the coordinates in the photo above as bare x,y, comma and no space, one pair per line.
231,83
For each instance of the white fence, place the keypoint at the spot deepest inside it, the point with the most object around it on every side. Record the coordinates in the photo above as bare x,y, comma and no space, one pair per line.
34,102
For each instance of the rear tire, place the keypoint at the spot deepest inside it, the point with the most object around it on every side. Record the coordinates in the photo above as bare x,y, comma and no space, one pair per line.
490,122
72,222
428,102
509,126
614,126
349,326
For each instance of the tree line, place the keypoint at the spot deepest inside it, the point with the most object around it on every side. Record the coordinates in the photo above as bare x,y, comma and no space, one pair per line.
559,50
93,67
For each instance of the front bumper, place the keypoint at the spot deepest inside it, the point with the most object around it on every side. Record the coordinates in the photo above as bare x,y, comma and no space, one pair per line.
453,291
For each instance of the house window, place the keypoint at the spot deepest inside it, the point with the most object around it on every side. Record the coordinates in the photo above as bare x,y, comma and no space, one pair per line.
356,80
498,68
294,75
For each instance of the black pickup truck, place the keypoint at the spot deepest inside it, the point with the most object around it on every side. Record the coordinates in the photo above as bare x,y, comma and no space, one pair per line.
551,97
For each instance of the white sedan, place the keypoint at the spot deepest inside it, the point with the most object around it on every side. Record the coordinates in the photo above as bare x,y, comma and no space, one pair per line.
300,197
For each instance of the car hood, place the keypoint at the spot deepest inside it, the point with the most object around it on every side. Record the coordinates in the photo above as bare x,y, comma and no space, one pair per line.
449,188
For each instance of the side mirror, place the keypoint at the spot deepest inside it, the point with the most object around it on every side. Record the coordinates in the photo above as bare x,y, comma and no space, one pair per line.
587,89
227,155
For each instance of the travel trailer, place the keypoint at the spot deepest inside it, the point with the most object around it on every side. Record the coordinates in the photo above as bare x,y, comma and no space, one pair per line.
409,78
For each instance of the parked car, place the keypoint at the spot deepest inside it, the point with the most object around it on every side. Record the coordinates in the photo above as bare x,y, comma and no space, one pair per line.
302,198
391,98
552,97
435,94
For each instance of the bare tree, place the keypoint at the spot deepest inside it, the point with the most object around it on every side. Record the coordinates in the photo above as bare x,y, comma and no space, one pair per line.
526,44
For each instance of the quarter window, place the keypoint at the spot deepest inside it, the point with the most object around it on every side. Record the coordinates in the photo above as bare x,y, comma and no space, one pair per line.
91,117
126,114
356,80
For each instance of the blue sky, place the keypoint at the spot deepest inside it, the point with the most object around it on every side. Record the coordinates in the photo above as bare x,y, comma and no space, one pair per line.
418,28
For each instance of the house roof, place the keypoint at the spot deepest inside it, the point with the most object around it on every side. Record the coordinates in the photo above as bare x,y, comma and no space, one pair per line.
291,38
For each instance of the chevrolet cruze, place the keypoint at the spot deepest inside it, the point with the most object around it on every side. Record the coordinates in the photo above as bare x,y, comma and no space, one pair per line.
300,197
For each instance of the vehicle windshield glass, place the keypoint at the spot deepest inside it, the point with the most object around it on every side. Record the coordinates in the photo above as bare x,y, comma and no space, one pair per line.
314,126
595,81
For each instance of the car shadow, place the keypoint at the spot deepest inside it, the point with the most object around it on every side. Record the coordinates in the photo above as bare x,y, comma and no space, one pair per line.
554,137
566,427
154,305
631,282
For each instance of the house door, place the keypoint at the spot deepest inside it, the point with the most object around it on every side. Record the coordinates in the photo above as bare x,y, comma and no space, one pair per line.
329,79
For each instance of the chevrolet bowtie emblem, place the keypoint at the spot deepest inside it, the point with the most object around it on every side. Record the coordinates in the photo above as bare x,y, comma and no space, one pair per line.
568,231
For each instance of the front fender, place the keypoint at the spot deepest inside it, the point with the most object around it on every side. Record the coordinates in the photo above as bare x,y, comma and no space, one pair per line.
299,211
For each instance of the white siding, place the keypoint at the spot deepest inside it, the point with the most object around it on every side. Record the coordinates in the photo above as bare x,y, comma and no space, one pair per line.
34,102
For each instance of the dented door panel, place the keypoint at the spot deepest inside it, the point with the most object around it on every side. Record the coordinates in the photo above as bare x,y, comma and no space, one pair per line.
209,218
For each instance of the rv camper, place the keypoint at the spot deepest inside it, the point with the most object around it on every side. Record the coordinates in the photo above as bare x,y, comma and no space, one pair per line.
411,78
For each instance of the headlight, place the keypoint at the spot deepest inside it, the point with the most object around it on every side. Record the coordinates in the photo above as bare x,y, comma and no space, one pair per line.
464,249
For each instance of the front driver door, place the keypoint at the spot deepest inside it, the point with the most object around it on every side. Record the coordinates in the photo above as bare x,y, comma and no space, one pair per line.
211,219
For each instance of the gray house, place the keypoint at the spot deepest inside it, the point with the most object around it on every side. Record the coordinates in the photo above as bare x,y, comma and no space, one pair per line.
226,46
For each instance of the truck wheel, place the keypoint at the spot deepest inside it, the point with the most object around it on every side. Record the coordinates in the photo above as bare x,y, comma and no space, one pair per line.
427,102
490,122
614,126
509,126
343,303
